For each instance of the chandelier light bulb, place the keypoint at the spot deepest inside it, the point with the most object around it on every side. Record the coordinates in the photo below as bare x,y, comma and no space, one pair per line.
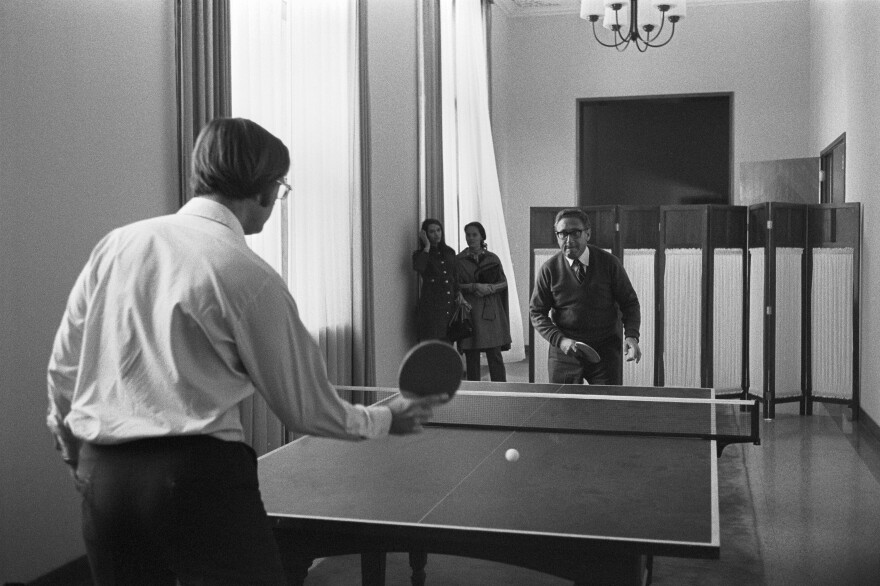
649,16
613,18
592,8
679,10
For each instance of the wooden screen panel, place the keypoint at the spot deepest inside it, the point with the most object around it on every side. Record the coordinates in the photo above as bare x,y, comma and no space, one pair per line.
781,231
757,274
684,226
541,234
832,312
728,226
640,235
831,225
683,231
726,324
603,220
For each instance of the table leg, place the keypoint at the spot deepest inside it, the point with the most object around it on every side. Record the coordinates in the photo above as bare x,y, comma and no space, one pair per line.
417,561
632,570
296,568
373,568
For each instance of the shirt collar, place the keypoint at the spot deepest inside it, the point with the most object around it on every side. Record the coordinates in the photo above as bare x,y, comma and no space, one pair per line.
211,210
584,258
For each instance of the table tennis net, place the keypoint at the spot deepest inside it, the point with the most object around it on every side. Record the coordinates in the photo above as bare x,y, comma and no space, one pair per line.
728,420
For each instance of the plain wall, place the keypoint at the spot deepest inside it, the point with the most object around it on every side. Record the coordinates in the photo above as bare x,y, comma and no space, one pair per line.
542,65
394,178
845,97
88,140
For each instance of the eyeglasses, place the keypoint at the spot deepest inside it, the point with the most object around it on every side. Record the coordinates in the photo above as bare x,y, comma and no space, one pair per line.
285,188
566,233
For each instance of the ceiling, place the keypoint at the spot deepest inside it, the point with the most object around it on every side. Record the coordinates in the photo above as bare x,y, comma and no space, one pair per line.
550,7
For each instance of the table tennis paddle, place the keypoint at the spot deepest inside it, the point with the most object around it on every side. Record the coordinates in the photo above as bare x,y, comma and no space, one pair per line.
587,352
431,367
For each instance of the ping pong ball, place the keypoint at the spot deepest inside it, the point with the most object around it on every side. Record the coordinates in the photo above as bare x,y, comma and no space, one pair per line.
511,455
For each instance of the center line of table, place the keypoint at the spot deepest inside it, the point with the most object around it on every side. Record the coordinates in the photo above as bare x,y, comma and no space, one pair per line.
489,455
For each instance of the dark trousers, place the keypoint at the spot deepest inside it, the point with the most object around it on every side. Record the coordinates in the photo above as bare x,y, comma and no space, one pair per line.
564,369
187,509
493,357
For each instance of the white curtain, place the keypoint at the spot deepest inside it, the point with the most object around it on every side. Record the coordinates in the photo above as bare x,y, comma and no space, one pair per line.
295,70
470,175
260,62
325,219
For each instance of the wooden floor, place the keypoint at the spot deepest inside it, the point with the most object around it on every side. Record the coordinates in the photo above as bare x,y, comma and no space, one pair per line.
815,488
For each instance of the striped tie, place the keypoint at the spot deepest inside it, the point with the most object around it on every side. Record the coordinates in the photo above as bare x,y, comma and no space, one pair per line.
578,270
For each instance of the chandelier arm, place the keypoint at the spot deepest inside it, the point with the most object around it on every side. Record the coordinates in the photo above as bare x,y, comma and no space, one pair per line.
666,42
598,40
662,24
623,39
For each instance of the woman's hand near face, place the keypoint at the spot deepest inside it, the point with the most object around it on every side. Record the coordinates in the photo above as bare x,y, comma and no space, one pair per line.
423,236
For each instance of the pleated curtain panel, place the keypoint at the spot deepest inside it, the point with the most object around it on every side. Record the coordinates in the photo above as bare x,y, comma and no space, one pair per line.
203,74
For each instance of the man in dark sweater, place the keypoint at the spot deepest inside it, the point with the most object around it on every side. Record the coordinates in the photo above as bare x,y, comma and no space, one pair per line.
584,286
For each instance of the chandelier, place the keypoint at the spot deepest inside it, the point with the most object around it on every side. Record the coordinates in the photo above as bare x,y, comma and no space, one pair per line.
634,21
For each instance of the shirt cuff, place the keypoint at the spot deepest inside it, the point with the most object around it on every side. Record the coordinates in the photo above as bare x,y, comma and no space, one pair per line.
375,421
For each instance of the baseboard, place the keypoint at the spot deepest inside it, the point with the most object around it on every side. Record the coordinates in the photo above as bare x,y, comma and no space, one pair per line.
869,424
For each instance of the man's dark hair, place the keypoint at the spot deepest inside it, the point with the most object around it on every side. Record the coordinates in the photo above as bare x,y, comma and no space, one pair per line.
237,158
573,213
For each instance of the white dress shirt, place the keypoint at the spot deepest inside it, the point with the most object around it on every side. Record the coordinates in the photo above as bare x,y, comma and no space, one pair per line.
584,258
172,323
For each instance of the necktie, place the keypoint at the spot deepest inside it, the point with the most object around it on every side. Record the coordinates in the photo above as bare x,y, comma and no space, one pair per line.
578,270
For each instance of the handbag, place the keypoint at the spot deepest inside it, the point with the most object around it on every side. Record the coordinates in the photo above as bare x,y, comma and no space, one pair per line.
460,325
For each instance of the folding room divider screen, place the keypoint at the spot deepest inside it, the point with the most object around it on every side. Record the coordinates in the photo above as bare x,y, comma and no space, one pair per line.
804,322
712,313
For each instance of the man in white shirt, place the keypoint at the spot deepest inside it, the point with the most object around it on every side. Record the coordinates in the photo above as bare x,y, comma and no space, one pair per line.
172,323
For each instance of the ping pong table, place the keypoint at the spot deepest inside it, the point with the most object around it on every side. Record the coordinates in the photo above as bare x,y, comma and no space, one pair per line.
590,507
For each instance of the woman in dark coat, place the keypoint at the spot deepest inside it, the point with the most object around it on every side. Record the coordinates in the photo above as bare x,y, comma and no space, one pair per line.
435,263
484,286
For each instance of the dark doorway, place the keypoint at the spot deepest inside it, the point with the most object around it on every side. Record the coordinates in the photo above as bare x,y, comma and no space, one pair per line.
663,150
832,171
